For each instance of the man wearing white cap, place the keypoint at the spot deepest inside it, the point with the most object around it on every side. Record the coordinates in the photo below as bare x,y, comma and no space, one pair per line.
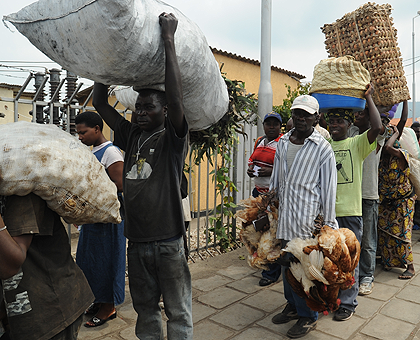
305,177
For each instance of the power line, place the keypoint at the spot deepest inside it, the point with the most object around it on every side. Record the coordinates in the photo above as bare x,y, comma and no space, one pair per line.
412,63
11,76
27,62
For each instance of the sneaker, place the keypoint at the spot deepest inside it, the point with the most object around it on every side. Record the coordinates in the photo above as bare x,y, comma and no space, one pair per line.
343,314
302,327
365,288
289,313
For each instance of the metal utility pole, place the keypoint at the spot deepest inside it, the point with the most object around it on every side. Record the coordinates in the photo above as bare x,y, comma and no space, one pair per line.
265,91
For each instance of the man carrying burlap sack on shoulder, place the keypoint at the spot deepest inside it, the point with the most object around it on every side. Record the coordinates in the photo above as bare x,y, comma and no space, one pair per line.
45,292
155,147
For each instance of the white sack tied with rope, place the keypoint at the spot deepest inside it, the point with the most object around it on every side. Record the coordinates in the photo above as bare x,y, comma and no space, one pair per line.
56,166
118,42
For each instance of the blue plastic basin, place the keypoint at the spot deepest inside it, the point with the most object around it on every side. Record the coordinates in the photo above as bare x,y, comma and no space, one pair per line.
333,101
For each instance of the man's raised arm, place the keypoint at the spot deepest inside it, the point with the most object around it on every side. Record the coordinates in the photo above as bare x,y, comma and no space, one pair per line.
100,102
173,83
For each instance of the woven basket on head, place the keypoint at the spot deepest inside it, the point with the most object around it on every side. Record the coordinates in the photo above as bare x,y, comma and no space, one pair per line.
369,36
341,76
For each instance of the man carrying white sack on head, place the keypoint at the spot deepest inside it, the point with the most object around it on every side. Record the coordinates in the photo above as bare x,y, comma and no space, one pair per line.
155,147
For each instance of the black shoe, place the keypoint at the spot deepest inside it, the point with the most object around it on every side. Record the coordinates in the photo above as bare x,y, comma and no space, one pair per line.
93,309
302,327
289,313
343,314
265,282
95,321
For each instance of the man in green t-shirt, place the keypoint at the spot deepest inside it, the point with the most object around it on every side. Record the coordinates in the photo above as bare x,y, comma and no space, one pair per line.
349,156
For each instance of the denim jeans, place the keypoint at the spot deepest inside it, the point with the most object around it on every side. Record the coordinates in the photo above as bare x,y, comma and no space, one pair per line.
273,273
292,298
369,241
155,269
348,296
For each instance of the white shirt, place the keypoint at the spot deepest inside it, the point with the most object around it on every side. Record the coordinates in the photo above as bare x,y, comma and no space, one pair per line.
308,189
111,155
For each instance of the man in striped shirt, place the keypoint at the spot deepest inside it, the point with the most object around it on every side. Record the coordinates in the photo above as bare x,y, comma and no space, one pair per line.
305,178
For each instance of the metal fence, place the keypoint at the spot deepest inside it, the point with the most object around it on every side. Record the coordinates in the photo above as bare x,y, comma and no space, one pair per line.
60,107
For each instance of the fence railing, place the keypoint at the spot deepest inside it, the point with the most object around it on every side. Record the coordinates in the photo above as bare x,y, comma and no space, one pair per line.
202,190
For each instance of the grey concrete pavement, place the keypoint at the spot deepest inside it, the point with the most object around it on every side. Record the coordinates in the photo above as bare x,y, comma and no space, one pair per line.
229,304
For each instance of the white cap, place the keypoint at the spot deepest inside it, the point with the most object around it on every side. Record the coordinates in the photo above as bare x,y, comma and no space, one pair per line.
307,103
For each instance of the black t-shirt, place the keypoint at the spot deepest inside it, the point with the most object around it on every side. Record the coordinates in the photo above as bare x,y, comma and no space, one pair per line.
50,292
152,178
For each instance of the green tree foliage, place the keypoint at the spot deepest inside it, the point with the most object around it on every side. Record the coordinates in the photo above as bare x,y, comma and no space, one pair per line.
284,109
220,139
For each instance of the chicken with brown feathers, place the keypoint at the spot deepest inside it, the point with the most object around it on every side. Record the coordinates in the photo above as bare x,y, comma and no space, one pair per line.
262,246
341,252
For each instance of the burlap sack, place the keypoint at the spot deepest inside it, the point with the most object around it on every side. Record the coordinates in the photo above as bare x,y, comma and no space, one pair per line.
119,42
409,142
340,76
56,166
415,174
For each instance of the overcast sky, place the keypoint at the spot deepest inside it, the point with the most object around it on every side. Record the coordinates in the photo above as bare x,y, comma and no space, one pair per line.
234,26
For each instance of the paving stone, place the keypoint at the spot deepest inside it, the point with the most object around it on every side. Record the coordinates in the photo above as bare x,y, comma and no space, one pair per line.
199,311
208,330
383,292
266,300
256,333
129,333
210,283
390,278
247,285
410,293
127,312
278,329
221,297
417,336
278,287
415,281
238,316
385,328
340,329
416,246
367,306
398,308
236,273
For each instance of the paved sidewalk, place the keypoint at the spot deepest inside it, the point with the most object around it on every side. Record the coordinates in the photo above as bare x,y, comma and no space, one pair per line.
229,304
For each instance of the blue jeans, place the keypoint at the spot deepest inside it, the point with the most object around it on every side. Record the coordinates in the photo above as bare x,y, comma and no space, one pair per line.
292,298
348,296
155,269
273,273
369,244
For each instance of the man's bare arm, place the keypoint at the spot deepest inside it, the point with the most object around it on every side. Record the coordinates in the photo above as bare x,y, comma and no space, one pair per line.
173,83
12,252
100,102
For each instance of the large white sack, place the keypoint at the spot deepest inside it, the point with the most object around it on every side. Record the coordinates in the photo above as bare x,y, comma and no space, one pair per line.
415,174
409,142
119,42
56,166
126,96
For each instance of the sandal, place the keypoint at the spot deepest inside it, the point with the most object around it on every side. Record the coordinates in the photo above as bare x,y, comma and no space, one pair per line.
95,321
407,275
93,309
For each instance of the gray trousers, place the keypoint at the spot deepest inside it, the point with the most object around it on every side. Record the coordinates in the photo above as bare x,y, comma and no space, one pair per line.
348,296
155,269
